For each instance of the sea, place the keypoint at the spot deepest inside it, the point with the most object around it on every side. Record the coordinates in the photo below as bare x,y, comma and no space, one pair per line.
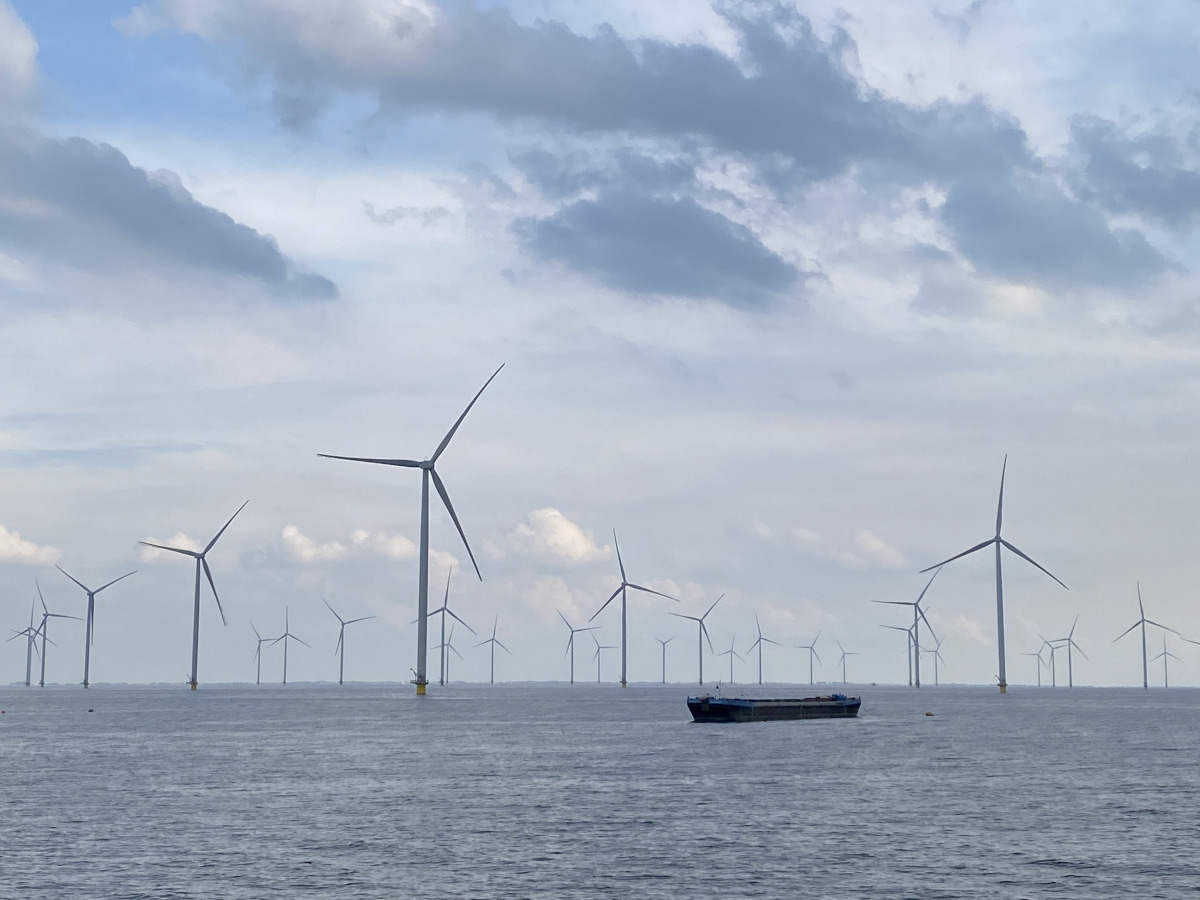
594,791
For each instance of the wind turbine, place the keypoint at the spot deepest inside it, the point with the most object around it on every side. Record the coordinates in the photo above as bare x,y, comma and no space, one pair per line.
285,637
936,652
495,643
1143,621
1164,656
918,616
845,653
731,653
664,655
428,471
999,542
908,646
1040,662
571,640
1069,642
340,649
600,647
701,634
31,635
622,590
258,652
445,610
812,651
201,563
1053,648
42,629
447,648
759,644
91,608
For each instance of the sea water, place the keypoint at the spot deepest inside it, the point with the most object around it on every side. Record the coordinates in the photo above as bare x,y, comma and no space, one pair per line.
591,791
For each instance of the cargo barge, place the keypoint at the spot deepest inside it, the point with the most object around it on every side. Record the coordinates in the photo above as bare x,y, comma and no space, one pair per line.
737,709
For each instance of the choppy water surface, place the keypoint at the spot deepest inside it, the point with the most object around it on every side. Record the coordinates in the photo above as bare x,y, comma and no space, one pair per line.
593,792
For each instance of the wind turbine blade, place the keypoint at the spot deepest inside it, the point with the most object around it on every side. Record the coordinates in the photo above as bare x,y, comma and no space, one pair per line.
606,602
1163,627
332,610
464,624
1127,630
935,575
481,643
338,646
714,606
638,587
927,624
211,584
441,489
450,646
1000,505
978,546
40,597
51,615
814,652
895,602
301,640
217,536
1141,609
1071,633
359,619
619,562
191,553
502,647
454,428
704,631
769,641
564,618
72,577
1029,560
110,584
1079,650
406,463
682,616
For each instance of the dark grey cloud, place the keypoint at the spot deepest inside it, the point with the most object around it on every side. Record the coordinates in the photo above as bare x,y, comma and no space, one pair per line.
661,246
84,204
1028,229
1145,173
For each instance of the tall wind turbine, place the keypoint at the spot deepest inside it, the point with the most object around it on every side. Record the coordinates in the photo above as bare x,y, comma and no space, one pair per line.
42,629
701,634
285,637
340,649
599,647
936,653
31,635
622,590
918,616
1164,656
908,646
201,563
447,648
664,655
1069,643
999,542
1040,663
845,653
495,643
443,611
1143,622
812,651
571,640
731,653
759,644
91,608
258,652
428,471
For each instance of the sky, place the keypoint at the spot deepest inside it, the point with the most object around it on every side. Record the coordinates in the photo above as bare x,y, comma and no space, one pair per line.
777,288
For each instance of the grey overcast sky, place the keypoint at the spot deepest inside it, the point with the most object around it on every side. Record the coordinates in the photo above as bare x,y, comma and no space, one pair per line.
777,286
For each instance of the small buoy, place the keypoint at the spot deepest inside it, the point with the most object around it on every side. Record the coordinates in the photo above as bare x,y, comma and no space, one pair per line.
928,713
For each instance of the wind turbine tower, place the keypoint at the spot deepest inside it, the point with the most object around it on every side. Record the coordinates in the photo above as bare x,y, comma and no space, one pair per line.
31,635
812,652
759,644
258,652
600,647
1143,622
1069,643
201,563
908,644
443,611
428,473
285,637
999,542
1164,656
340,649
701,634
622,591
918,616
494,644
42,629
731,653
571,640
845,653
91,610
664,655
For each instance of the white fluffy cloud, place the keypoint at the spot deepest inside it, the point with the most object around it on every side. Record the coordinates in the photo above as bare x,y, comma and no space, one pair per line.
179,539
301,548
15,549
547,532
18,59
866,550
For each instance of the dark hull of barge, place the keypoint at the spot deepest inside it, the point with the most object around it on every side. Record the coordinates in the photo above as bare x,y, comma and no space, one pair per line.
736,709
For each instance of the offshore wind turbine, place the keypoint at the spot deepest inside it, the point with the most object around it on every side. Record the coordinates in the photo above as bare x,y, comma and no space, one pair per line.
936,652
443,611
701,634
495,643
845,653
571,640
1143,622
1040,663
918,616
428,472
908,647
812,651
1164,656
91,609
759,644
42,629
31,635
1069,642
622,590
201,563
447,648
731,653
999,542
664,655
285,637
258,652
340,649
600,647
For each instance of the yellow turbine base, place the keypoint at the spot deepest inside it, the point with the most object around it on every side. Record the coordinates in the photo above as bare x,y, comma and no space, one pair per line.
194,687
1004,688
421,690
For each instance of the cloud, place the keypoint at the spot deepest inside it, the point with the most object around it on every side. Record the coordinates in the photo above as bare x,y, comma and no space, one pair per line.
392,546
673,247
969,628
85,204
879,551
180,540
15,549
865,551
548,533
18,62
304,549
